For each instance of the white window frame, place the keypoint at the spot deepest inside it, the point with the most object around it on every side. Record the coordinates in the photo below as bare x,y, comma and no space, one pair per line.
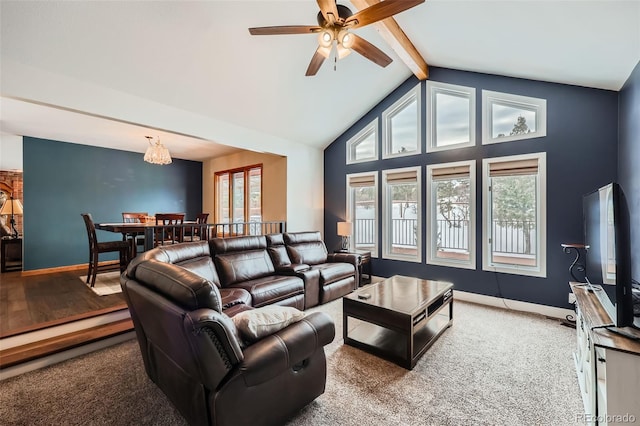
371,128
434,88
389,113
490,98
541,269
351,207
432,216
386,210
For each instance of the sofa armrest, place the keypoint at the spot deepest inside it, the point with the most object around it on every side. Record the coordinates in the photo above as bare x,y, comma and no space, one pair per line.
215,343
352,258
292,268
287,348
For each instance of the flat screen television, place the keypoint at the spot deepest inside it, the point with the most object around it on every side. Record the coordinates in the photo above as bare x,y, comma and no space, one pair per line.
608,253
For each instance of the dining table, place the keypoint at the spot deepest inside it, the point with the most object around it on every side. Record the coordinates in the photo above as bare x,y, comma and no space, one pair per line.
129,228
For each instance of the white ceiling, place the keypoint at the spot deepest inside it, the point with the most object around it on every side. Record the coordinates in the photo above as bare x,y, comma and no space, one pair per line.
198,57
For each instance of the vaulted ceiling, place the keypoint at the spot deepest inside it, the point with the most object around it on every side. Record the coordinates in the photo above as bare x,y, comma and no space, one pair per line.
199,58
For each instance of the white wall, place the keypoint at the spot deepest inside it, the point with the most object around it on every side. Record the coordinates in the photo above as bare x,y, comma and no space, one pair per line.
305,202
10,152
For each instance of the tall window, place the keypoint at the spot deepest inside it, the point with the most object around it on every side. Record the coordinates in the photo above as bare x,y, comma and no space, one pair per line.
362,205
514,232
401,214
239,196
401,126
451,225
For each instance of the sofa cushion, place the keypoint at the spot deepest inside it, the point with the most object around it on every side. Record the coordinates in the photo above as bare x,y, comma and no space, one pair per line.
311,253
277,250
237,244
292,238
272,288
202,266
256,324
183,287
194,256
243,266
331,272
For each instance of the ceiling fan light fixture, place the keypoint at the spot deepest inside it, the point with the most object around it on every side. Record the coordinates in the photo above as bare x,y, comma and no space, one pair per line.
324,51
342,51
346,39
325,38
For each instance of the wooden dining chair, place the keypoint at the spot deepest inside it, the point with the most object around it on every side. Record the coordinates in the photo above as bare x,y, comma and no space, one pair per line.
196,233
96,247
169,235
134,217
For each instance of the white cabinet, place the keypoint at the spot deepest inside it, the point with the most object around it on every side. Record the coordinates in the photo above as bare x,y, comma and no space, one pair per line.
617,386
607,364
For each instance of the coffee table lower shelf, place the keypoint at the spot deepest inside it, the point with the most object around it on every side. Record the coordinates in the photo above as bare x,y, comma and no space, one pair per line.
393,345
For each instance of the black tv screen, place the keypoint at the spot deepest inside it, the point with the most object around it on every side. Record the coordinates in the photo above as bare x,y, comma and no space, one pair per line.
608,263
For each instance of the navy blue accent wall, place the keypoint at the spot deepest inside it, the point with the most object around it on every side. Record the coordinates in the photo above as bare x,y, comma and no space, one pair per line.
581,147
629,160
63,180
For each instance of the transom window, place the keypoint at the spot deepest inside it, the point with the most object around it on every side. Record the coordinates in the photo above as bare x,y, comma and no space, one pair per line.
451,113
514,230
508,117
238,195
401,214
401,126
364,146
451,212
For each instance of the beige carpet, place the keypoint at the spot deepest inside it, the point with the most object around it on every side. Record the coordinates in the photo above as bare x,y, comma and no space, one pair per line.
492,367
106,283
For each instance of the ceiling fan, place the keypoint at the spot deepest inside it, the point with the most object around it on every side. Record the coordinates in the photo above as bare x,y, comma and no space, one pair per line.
334,24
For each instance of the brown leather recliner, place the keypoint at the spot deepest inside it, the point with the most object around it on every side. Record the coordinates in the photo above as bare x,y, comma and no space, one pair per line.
338,272
190,349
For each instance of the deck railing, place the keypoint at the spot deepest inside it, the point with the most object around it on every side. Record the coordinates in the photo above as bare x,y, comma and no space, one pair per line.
168,234
508,236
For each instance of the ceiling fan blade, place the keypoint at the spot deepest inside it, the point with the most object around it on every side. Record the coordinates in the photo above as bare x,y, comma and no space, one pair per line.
370,52
285,29
316,62
329,10
379,11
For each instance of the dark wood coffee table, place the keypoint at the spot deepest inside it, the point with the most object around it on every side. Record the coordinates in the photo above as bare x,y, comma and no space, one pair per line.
400,320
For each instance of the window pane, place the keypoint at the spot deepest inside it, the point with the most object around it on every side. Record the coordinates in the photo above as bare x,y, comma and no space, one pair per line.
365,148
453,198
510,120
223,198
404,214
452,119
514,220
404,129
238,197
364,217
255,199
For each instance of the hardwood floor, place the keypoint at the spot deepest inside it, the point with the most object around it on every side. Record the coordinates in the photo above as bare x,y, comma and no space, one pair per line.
32,302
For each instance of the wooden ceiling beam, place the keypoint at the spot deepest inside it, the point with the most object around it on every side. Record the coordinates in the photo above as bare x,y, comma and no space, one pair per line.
398,41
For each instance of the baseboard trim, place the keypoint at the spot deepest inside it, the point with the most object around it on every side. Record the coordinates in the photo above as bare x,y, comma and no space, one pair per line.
515,305
66,268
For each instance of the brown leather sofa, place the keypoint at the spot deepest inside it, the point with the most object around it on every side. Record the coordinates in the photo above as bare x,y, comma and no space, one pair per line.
182,297
329,275
190,347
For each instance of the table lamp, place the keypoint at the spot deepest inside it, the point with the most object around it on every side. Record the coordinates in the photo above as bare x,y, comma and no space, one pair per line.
12,207
344,230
